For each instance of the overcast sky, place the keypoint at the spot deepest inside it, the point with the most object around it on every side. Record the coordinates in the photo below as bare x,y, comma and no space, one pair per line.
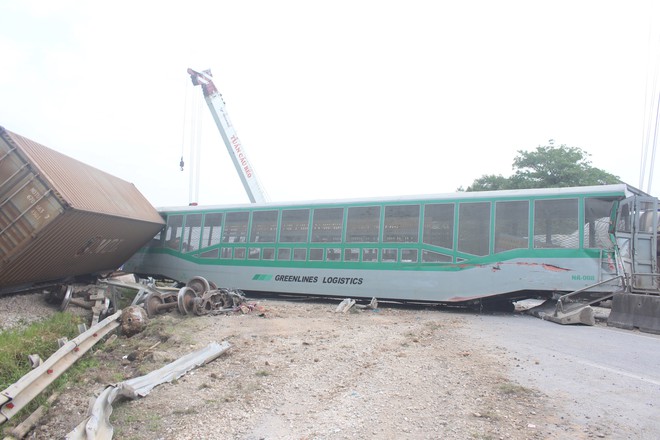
330,99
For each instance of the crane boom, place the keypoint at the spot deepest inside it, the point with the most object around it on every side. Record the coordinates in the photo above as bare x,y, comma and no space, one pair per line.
216,104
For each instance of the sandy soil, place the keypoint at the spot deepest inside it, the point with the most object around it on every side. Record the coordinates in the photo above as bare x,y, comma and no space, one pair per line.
300,370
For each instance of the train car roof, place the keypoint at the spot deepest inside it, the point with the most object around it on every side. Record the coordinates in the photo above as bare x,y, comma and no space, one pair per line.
621,188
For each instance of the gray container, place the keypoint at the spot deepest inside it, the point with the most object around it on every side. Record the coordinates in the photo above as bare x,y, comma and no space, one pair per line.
61,218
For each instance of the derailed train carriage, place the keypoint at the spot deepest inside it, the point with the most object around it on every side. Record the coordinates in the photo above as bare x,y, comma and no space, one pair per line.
460,248
61,219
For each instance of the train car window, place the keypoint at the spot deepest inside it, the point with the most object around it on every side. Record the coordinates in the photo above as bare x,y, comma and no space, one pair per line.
299,254
333,254
236,227
173,232
624,221
556,223
192,233
316,254
264,227
212,229
213,253
434,257
389,255
295,226
511,225
597,212
225,253
351,254
363,224
369,254
401,224
284,254
158,240
239,253
409,255
439,225
327,225
474,228
254,253
647,217
268,254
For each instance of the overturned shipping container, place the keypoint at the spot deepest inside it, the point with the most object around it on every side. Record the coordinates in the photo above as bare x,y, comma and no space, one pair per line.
61,218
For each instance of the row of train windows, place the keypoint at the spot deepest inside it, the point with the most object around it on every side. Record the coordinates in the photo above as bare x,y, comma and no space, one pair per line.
325,254
555,225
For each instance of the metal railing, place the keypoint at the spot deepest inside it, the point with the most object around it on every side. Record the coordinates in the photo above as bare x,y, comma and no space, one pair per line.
563,299
20,393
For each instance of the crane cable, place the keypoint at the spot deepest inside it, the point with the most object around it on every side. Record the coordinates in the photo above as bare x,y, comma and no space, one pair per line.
197,147
183,129
192,127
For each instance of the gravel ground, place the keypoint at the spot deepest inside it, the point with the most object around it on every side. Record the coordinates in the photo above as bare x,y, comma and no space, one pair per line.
299,370
20,310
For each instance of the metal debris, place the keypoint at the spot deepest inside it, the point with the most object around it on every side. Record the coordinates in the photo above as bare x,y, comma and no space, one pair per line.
32,420
19,394
348,303
159,302
93,299
35,360
345,305
133,321
373,305
211,301
199,297
576,313
97,425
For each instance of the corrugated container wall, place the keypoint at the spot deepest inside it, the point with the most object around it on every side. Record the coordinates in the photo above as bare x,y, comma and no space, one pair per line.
61,218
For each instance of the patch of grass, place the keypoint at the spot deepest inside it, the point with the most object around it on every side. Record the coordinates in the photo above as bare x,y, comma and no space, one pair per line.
164,328
144,369
132,418
158,329
510,389
154,422
39,338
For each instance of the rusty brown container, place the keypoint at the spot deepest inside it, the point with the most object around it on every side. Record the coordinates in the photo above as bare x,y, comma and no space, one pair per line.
61,218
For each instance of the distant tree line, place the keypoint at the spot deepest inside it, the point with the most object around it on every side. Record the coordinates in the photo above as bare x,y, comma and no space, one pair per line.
546,167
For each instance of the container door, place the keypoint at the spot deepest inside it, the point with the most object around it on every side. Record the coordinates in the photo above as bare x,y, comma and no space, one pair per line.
637,234
27,204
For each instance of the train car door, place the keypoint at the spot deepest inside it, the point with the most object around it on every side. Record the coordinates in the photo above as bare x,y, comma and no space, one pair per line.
637,239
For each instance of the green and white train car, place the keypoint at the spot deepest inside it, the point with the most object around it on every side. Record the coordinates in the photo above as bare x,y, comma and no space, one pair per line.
450,248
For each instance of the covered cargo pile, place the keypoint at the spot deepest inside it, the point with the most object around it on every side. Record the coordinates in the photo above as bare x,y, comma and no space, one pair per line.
61,218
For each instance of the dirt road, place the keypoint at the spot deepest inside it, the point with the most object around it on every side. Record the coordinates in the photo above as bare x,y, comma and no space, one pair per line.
300,370
607,378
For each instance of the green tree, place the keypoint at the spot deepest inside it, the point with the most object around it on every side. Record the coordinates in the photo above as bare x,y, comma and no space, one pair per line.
490,182
547,167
